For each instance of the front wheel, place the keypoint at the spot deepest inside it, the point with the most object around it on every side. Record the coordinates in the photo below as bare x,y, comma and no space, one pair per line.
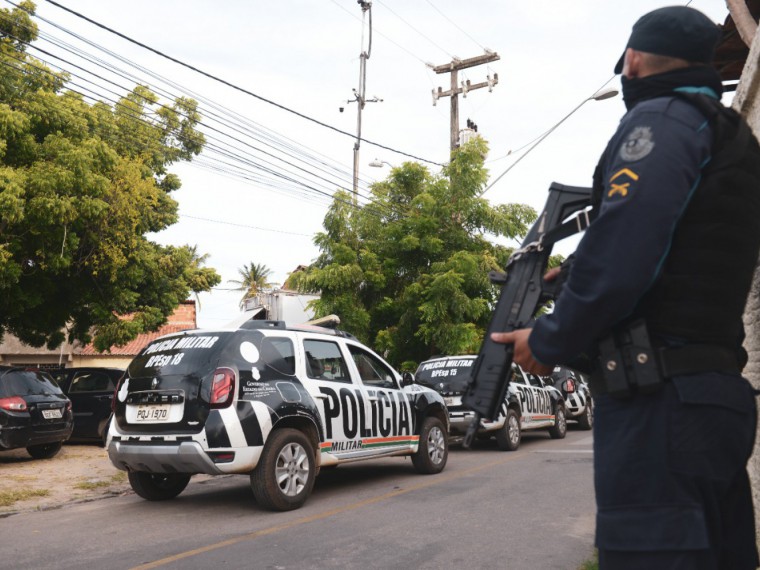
508,437
433,451
560,423
284,477
586,420
44,450
158,486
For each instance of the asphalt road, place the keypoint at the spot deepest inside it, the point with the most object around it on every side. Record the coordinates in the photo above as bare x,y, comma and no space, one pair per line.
529,509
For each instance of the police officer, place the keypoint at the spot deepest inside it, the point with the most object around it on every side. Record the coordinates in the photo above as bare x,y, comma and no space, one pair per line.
654,299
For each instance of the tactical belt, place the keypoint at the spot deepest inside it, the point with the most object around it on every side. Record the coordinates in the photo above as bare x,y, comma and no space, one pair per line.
695,358
629,363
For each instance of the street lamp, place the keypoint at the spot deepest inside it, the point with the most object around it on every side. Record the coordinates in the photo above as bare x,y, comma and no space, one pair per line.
377,163
600,95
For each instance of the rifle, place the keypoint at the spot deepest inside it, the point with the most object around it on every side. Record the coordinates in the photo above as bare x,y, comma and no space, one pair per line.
523,292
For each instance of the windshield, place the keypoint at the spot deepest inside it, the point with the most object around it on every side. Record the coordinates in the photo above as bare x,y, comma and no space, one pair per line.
194,353
27,383
448,374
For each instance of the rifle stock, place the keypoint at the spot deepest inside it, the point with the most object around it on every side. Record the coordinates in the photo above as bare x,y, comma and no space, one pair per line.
523,292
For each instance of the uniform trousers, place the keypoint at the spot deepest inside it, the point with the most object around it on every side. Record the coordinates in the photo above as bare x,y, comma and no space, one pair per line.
670,475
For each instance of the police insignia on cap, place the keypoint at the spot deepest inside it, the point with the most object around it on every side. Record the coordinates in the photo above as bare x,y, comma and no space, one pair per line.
638,144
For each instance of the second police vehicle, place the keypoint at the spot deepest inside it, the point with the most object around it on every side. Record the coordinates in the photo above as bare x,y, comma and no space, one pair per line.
273,402
530,403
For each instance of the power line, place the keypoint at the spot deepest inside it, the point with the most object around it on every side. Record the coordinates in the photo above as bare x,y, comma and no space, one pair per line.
399,46
234,86
138,118
243,225
289,148
415,29
456,25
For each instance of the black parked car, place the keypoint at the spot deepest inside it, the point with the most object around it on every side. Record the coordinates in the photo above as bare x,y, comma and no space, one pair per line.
91,391
34,412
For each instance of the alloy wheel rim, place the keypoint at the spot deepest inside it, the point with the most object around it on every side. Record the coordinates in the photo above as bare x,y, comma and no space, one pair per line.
292,469
436,445
514,430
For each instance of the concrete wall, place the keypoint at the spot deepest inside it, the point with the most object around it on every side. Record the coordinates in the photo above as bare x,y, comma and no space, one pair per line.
747,102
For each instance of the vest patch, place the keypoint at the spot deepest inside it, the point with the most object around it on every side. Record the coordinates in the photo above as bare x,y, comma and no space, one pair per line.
638,144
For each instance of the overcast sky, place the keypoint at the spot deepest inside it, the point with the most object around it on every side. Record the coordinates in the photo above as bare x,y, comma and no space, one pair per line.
304,55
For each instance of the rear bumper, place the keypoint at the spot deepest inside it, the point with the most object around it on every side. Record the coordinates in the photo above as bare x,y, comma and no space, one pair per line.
15,437
460,420
181,457
187,457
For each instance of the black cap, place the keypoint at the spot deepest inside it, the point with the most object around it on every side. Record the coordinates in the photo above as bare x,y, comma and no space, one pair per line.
674,31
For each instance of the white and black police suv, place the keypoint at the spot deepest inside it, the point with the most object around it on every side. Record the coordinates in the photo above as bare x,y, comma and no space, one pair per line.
579,405
273,402
531,402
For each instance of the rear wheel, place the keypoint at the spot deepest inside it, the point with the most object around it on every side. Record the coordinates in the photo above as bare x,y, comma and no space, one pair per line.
158,486
560,423
433,451
586,420
44,450
284,477
508,437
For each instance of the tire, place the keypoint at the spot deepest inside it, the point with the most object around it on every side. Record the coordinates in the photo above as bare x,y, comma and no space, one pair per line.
45,450
559,431
433,450
158,486
284,477
586,420
508,437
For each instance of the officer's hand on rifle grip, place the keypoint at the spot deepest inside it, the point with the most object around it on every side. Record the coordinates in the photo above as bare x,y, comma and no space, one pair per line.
522,353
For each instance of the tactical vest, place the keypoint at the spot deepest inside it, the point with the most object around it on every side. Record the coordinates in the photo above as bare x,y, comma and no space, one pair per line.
699,296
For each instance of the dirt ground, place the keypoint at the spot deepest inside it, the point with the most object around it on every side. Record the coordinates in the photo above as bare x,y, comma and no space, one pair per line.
80,472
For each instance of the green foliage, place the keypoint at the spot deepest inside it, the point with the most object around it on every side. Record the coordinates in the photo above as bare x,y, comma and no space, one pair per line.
253,278
80,187
408,272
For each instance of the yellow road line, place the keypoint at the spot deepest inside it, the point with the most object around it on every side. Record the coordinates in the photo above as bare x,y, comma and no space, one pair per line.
429,482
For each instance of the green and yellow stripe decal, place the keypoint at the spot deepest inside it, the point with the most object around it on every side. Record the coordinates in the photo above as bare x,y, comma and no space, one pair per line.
376,442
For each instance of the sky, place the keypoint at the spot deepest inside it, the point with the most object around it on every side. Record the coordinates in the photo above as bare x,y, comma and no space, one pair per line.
260,190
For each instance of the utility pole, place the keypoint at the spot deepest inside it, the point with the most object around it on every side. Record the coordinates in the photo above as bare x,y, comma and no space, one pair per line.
453,68
361,93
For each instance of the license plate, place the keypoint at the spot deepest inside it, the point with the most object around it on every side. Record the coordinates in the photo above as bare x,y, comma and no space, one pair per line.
52,414
156,413
453,400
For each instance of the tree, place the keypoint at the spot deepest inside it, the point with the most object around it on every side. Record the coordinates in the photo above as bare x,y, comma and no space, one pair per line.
408,272
253,278
80,187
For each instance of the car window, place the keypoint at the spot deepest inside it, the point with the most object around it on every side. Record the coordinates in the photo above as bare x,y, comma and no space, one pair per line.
324,361
183,354
517,375
449,374
371,370
27,382
534,380
91,382
279,354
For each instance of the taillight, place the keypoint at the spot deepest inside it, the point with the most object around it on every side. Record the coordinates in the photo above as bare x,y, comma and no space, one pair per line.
570,386
115,393
222,387
13,404
68,405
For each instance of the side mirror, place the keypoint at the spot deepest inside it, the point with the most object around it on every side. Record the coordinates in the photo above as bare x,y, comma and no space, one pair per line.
407,378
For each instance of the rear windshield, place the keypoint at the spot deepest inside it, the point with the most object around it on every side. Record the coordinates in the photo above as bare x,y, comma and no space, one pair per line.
448,374
27,383
199,353
195,353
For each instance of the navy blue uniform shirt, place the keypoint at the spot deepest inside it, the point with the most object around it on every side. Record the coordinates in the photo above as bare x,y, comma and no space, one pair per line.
652,167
